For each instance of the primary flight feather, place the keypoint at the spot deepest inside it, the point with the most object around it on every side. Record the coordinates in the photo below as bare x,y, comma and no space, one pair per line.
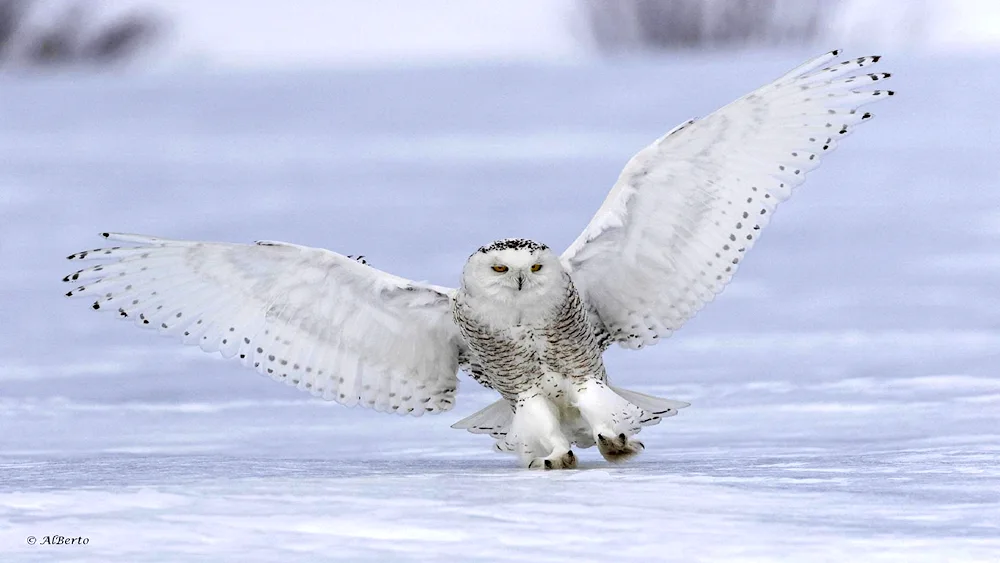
526,322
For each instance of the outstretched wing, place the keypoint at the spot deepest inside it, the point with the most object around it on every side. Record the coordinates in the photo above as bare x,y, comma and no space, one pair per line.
315,319
685,210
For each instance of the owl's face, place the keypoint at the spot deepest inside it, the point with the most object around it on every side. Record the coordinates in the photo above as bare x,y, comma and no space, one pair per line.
513,270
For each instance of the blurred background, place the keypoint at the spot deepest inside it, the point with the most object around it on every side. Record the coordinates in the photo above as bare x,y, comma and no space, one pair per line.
860,339
183,34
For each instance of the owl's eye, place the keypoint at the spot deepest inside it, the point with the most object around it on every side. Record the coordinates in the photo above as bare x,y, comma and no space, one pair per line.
536,267
500,268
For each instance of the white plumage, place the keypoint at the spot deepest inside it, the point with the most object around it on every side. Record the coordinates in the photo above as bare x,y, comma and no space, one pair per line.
528,323
685,209
323,322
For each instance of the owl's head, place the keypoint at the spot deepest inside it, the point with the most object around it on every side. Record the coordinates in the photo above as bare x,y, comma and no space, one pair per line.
512,270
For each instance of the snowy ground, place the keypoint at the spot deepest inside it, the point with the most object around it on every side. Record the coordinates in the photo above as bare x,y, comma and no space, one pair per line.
845,389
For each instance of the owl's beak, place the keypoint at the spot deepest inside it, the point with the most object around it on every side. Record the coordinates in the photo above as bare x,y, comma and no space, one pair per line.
520,281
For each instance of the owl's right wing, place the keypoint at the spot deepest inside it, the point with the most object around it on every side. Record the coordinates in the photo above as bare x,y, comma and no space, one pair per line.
686,209
318,320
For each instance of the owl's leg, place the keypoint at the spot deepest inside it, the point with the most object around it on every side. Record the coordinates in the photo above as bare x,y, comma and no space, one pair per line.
537,431
612,420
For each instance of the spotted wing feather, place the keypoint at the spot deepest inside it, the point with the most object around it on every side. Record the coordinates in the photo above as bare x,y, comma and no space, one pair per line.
326,323
686,209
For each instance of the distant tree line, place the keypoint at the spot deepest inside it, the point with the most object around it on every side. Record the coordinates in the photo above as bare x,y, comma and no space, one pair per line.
73,36
636,25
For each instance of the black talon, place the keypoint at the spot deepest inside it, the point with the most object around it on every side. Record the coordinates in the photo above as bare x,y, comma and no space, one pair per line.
622,437
602,439
548,464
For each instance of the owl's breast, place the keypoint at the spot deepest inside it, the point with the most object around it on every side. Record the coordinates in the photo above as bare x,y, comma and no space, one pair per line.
515,357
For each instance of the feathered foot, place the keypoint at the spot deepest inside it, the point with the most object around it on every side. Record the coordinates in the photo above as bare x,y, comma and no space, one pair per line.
555,461
618,449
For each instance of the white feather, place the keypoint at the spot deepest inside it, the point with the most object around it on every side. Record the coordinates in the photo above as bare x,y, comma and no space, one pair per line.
494,420
685,209
312,318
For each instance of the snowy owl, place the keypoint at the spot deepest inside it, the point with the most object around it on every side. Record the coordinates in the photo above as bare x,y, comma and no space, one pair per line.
526,322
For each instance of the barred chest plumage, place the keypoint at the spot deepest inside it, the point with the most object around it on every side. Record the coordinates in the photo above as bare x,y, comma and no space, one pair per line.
544,346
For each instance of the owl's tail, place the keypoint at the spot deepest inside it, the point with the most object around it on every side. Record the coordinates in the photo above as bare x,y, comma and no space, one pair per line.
654,408
496,418
493,420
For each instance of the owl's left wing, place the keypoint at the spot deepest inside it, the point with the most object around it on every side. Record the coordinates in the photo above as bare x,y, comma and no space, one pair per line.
326,323
686,209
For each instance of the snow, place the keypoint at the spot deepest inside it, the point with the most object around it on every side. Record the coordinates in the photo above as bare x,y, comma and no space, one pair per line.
844,390
316,33
263,34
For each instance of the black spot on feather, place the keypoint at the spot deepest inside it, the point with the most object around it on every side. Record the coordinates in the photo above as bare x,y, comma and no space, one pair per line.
513,244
